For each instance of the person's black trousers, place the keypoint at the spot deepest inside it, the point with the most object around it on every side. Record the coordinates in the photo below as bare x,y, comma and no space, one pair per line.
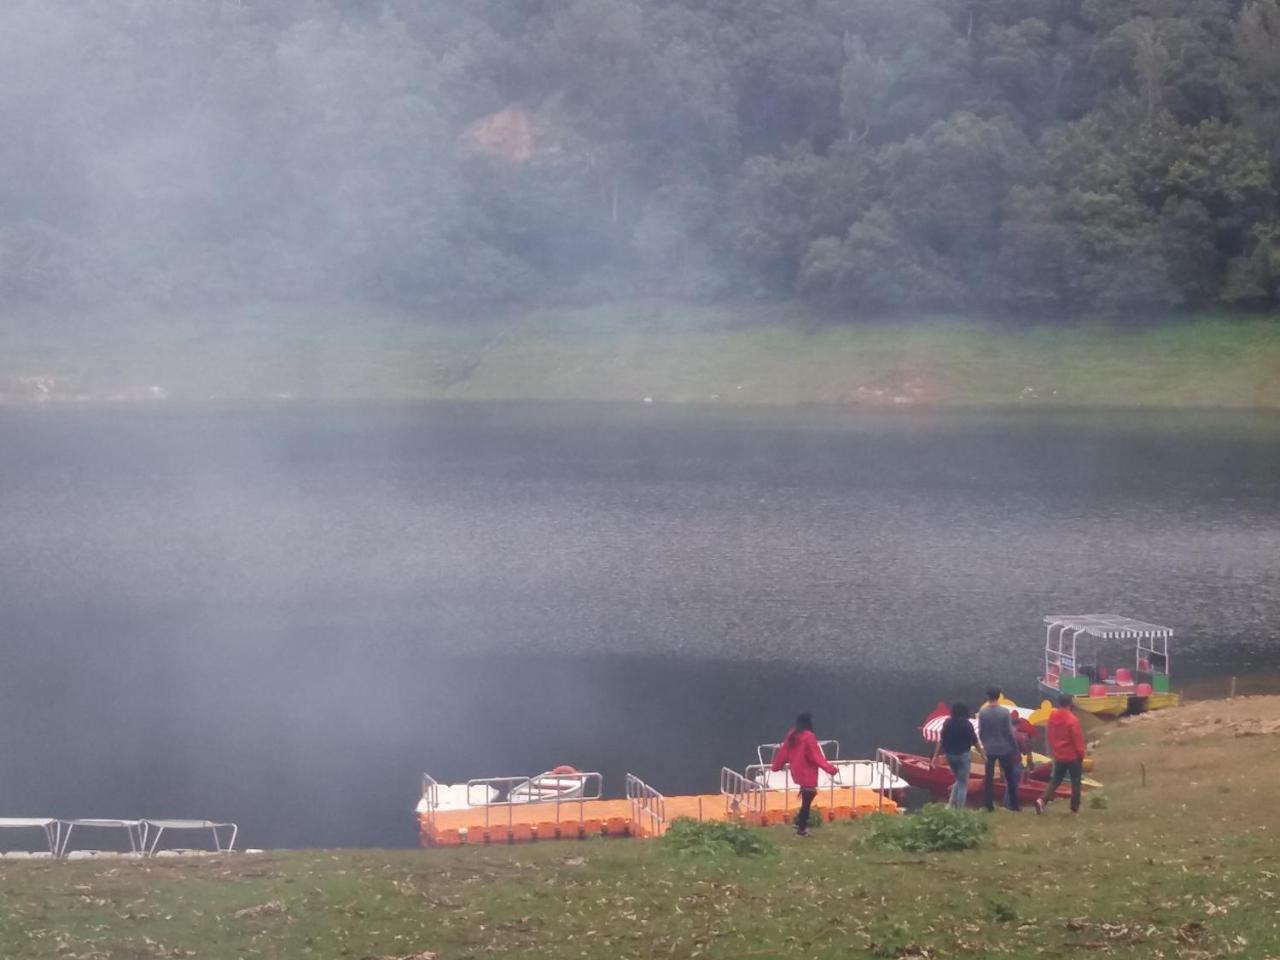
1061,770
1009,767
806,801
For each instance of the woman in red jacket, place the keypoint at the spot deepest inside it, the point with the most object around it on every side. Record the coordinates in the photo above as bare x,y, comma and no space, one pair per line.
801,750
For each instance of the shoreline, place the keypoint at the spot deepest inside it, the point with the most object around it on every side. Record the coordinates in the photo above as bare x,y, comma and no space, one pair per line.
1173,856
771,356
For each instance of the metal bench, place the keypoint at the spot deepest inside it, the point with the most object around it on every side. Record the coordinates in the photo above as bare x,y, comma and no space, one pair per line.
133,828
52,829
152,830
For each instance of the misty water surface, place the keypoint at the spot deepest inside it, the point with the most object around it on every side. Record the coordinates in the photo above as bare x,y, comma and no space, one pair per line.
283,617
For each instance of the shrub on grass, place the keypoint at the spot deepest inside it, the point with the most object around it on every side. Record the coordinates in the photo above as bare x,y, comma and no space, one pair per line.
1002,910
687,837
934,828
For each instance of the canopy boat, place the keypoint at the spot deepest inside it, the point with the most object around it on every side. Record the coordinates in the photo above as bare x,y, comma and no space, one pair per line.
1102,690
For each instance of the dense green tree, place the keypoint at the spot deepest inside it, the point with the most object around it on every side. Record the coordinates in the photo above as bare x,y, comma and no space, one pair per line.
1042,157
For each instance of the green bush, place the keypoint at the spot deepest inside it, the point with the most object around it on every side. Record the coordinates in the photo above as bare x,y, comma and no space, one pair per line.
1002,910
687,837
936,827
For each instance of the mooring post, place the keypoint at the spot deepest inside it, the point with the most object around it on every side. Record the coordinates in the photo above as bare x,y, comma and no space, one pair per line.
1232,694
1143,767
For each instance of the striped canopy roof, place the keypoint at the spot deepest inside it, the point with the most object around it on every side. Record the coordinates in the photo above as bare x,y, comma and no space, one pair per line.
1108,626
931,729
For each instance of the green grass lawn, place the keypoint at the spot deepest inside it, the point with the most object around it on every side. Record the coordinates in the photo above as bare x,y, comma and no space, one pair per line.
773,354
1182,861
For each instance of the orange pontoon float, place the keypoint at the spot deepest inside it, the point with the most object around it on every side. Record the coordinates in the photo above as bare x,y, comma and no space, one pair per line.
568,804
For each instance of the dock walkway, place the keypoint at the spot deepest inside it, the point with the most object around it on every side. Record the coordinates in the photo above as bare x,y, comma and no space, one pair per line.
581,819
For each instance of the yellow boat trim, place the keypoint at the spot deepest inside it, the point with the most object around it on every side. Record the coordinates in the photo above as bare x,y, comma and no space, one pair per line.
1108,706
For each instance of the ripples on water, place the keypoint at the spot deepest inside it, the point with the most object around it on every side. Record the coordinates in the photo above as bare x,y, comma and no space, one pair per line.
285,616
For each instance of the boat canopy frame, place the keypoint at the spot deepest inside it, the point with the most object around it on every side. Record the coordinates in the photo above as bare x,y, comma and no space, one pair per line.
1063,632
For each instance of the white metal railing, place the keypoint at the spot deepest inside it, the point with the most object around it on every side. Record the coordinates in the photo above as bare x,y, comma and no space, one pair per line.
890,767
766,751
430,801
648,807
742,797
590,786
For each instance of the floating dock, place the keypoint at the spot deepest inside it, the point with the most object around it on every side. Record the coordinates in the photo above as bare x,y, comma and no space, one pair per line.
579,812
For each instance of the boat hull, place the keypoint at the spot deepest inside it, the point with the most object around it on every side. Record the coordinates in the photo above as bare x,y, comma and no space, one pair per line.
937,780
1115,705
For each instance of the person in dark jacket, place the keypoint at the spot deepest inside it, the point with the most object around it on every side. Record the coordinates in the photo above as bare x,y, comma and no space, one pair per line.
956,743
801,750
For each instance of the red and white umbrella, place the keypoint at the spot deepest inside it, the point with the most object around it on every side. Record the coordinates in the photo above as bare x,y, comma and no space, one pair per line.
931,729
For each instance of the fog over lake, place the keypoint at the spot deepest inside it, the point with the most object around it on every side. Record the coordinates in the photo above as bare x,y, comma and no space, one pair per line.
284,617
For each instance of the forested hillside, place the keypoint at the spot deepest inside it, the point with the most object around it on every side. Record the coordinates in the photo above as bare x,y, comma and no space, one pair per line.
1039,158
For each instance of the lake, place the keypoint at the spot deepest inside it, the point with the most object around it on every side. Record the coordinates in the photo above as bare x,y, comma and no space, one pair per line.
282,617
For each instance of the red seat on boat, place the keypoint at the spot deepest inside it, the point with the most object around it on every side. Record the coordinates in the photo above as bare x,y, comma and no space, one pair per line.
1098,690
1144,690
1124,677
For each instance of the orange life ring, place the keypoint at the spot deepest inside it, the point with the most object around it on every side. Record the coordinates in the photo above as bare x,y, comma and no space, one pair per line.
564,768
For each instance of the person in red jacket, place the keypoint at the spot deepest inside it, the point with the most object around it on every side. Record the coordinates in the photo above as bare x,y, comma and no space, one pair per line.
801,750
1066,744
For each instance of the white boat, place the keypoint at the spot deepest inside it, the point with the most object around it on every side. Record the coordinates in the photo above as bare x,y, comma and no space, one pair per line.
455,796
562,783
864,774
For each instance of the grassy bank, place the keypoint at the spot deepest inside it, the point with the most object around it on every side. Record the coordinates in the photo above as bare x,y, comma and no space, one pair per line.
1182,861
772,354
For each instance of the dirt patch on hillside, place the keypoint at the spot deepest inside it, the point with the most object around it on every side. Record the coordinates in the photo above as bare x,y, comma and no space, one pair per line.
1239,717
